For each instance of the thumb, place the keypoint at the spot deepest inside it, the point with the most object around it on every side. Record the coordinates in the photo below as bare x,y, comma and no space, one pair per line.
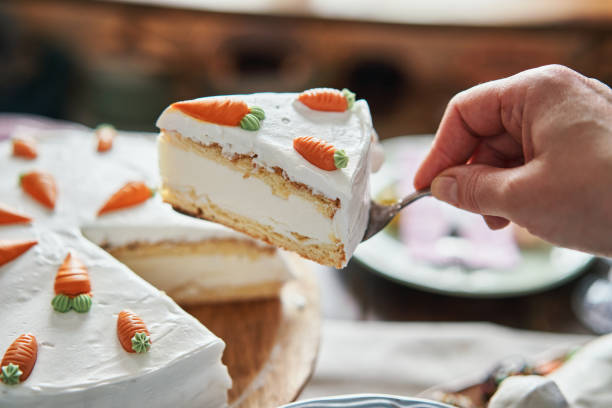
477,188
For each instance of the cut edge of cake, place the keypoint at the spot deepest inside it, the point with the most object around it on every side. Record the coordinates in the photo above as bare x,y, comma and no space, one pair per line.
187,202
203,264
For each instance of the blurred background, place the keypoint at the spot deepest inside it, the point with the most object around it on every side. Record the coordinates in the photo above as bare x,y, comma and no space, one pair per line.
123,61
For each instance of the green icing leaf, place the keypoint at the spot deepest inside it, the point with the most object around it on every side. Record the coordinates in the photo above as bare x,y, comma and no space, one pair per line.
350,97
141,343
340,159
11,374
105,125
61,303
81,303
250,122
258,112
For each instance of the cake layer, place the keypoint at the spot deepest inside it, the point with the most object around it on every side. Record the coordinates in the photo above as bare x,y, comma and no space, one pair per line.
216,156
328,254
210,271
275,210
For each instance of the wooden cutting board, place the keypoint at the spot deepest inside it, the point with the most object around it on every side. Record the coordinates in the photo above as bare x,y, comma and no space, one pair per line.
271,345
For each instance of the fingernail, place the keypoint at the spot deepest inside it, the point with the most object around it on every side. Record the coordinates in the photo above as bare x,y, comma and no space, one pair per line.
445,189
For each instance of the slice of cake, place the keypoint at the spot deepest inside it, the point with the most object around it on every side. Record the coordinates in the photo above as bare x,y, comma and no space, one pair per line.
289,169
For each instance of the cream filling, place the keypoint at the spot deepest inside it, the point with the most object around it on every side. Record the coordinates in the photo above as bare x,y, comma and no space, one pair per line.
206,271
248,197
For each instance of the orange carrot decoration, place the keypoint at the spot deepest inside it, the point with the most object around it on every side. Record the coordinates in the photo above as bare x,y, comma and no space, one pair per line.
328,99
72,286
549,366
105,134
132,193
11,249
40,186
224,112
132,332
11,216
72,278
25,147
19,359
319,153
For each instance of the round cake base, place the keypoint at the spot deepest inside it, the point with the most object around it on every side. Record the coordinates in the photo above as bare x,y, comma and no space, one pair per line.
271,345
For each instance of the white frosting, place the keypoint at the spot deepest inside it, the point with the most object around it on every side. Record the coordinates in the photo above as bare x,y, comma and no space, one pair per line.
528,392
80,361
272,146
120,228
586,378
377,153
584,381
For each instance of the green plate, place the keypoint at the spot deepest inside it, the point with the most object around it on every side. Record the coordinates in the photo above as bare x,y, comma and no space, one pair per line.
385,254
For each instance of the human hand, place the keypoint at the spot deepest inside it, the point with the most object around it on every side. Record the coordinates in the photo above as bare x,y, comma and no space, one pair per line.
534,149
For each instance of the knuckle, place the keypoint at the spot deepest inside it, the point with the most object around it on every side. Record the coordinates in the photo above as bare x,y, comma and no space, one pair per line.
457,99
555,77
558,70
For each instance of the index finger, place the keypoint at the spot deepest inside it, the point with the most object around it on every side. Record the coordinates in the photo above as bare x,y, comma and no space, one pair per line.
471,115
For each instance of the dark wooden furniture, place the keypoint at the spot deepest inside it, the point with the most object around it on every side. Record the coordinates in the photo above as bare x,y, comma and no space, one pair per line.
131,58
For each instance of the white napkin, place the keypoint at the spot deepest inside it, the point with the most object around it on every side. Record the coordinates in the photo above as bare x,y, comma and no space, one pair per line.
407,358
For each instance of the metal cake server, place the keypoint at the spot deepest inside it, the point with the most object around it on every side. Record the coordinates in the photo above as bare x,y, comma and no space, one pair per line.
381,215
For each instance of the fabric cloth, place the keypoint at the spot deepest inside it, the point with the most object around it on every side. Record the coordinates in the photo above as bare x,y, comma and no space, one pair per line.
407,358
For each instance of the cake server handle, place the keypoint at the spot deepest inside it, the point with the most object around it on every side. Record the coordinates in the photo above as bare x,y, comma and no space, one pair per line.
381,215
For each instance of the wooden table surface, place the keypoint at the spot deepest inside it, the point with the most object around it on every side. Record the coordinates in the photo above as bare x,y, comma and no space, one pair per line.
356,293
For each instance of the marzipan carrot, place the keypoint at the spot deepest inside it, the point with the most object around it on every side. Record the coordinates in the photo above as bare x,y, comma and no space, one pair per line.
226,112
328,99
132,333
25,147
19,359
40,186
9,215
72,277
11,249
319,153
72,286
105,134
132,193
